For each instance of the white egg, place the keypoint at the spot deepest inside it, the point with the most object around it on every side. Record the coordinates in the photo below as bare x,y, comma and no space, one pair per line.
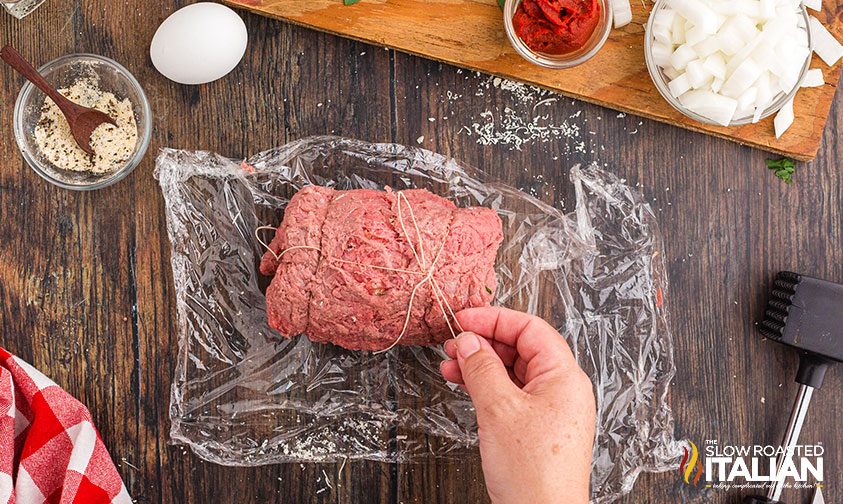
199,43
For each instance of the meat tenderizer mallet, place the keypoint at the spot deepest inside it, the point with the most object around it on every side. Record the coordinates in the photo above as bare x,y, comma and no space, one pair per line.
806,314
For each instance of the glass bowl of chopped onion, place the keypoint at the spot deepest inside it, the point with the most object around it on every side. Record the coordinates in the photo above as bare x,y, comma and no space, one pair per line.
43,135
728,66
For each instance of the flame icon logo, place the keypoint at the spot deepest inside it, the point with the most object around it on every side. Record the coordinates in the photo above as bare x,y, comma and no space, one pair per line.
690,461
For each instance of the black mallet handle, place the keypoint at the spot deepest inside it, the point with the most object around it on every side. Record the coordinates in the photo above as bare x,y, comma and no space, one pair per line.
810,377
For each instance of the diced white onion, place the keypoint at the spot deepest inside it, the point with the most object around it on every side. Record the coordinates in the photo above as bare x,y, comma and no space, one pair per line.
716,65
677,30
707,47
621,13
787,14
725,8
662,35
746,103
710,105
750,8
698,13
784,118
816,5
679,85
682,56
730,41
661,54
697,74
664,17
813,78
765,56
789,79
694,35
767,9
742,78
747,99
744,26
825,45
739,57
671,73
764,97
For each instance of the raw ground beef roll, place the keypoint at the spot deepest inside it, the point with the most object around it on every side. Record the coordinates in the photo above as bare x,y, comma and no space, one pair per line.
335,254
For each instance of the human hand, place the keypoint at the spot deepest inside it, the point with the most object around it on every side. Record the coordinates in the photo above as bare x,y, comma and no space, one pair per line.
535,406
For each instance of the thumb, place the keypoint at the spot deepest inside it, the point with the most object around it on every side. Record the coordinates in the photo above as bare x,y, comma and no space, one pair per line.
483,373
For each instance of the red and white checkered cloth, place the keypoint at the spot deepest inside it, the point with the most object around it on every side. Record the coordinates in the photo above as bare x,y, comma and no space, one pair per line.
50,452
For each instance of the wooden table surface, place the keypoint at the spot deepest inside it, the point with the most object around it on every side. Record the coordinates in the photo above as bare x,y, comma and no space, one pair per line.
86,289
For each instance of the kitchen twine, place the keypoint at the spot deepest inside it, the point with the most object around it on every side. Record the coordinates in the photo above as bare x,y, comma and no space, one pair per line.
426,271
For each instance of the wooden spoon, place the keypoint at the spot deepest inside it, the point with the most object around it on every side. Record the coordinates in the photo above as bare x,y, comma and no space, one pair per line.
82,120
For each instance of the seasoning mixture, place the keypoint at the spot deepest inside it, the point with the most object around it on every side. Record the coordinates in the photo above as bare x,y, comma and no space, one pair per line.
556,26
112,145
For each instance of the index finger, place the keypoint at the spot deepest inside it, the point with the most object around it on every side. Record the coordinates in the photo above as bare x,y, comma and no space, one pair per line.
531,336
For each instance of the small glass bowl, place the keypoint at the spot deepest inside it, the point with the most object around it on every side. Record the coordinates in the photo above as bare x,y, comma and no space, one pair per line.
62,73
661,80
594,44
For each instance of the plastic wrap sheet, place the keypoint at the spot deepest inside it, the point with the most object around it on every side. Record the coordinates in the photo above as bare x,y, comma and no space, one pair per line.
243,395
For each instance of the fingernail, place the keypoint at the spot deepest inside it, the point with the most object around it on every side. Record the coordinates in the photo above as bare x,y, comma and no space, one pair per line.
467,344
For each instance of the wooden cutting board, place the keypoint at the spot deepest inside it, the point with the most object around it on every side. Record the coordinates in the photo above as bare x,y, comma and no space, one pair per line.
470,34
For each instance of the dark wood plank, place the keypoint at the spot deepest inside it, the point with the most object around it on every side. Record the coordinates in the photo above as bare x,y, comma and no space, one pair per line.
86,287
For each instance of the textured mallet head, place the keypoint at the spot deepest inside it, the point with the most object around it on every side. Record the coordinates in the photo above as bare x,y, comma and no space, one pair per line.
806,313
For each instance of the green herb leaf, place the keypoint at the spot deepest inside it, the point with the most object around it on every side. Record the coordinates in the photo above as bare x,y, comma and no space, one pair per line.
488,290
350,2
501,3
783,168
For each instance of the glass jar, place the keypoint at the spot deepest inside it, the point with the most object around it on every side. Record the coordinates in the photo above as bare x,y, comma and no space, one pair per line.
558,61
21,8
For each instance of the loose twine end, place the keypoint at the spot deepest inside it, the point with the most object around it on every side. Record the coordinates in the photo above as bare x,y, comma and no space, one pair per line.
265,245
279,256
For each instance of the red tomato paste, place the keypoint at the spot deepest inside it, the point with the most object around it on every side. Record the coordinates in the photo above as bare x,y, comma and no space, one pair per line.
556,26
